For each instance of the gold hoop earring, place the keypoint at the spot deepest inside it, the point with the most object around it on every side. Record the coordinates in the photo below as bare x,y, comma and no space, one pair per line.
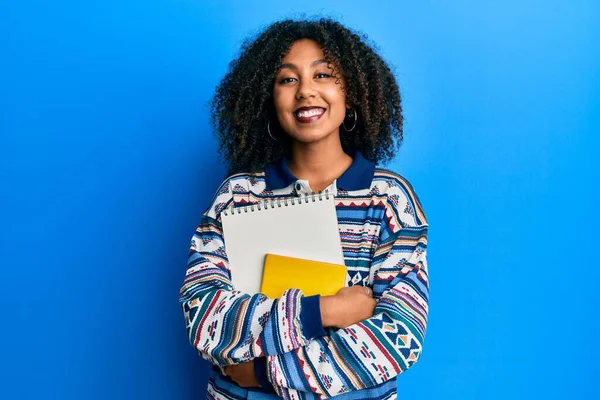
351,113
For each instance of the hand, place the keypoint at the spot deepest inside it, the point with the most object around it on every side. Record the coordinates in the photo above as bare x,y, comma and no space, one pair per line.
348,306
243,374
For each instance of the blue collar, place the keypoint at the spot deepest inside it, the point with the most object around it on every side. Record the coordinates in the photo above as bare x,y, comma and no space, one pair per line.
358,176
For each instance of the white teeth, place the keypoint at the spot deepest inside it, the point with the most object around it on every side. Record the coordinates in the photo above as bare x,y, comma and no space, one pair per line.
310,113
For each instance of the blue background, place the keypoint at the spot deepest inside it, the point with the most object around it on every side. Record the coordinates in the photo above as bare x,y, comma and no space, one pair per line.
107,163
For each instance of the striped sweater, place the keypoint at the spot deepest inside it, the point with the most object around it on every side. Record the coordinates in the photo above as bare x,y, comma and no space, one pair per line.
384,238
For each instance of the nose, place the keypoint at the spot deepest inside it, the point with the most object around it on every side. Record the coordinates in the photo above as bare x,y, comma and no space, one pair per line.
305,89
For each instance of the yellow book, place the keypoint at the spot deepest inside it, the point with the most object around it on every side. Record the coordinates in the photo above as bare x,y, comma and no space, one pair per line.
312,277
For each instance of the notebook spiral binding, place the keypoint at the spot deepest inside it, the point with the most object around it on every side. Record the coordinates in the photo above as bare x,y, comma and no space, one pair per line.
279,202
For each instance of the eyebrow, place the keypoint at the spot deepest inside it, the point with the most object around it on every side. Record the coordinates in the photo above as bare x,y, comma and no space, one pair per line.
294,67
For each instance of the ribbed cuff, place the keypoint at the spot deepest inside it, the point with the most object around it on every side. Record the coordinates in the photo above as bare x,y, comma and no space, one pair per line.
260,371
310,317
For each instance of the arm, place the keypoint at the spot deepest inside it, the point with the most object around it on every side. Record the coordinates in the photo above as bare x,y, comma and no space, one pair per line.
347,307
227,326
377,349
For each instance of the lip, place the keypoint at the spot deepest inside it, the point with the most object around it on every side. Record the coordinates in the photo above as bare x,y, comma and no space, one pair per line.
306,108
308,120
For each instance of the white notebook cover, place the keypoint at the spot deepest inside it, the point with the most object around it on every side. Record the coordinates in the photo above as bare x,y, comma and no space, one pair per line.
306,227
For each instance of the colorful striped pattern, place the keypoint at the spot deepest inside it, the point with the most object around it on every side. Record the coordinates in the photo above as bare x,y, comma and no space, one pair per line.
384,238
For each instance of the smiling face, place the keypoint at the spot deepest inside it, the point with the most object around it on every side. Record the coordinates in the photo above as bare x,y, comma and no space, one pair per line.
310,105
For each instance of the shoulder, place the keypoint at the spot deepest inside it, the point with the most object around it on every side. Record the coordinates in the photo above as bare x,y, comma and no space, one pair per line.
242,180
401,197
234,187
388,181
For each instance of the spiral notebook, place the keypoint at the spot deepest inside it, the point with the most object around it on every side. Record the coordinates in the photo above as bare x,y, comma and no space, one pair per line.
299,227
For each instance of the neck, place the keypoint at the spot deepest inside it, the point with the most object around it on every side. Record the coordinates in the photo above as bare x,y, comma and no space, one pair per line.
319,163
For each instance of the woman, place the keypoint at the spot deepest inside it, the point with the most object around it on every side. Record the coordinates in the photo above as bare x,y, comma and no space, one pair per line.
309,107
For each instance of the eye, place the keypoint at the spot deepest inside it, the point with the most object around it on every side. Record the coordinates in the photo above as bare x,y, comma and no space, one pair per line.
322,75
287,80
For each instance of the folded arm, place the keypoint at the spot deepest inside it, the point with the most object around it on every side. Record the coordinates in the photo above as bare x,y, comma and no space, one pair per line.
227,326
379,348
